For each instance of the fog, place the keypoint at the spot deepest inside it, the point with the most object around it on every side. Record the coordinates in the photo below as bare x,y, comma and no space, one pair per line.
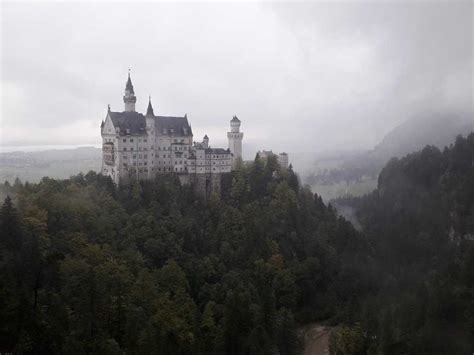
302,77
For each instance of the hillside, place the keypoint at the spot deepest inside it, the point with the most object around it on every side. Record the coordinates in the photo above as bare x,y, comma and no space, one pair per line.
439,130
420,223
88,267
356,173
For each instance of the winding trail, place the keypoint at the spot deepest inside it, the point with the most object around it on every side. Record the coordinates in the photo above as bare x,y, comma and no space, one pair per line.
316,339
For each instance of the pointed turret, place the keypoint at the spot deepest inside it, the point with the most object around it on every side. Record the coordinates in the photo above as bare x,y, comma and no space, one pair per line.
150,116
129,98
129,85
149,110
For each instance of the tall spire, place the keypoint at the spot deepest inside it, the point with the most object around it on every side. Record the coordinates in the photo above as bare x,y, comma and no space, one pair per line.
129,85
149,110
129,98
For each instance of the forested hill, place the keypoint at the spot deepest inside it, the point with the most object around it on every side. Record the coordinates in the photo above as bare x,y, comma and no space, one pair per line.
86,267
420,224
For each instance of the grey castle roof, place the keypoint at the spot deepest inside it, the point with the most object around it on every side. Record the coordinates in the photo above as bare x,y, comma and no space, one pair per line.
135,123
217,151
128,122
235,119
177,124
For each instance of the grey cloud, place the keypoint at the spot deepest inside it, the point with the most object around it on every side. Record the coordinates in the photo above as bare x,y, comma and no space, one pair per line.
301,76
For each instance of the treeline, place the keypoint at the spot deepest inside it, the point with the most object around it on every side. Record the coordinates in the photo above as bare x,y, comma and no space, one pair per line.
420,226
151,268
86,267
348,173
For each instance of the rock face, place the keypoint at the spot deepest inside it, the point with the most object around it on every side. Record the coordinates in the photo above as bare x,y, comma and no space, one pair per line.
203,184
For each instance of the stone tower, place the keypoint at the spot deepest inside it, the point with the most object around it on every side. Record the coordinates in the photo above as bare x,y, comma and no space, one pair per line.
205,141
235,140
129,98
150,116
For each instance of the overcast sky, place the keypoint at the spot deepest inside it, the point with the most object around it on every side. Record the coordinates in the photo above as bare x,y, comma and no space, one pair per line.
300,76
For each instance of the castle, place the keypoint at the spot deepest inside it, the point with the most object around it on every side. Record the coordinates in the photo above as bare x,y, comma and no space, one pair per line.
139,147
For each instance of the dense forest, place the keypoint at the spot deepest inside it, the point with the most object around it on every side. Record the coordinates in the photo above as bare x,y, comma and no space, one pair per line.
88,267
419,224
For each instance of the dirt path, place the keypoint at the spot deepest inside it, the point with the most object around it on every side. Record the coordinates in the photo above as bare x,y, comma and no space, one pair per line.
316,339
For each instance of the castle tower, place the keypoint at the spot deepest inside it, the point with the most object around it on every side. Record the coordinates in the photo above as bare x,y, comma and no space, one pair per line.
129,98
205,141
150,115
235,140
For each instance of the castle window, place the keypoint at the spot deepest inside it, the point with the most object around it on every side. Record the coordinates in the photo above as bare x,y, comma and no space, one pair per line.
145,140
124,140
131,139
134,156
145,156
145,163
134,163
125,149
131,149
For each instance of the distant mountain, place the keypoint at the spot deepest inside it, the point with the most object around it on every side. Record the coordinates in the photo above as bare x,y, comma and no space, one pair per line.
438,129
356,174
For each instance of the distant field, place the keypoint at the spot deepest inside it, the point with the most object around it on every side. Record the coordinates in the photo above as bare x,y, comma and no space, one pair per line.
329,192
62,170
